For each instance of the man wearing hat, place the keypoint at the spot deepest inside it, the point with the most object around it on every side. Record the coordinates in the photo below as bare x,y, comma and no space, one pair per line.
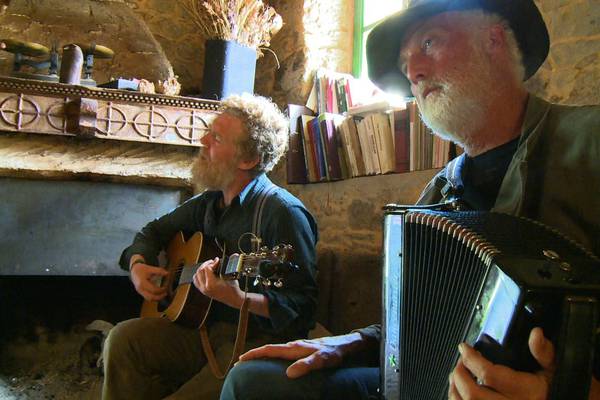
465,62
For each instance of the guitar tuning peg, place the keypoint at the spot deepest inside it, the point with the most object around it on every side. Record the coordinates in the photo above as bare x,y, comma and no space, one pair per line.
266,282
278,284
256,281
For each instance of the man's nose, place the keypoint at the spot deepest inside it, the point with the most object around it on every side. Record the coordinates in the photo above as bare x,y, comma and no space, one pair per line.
204,140
417,68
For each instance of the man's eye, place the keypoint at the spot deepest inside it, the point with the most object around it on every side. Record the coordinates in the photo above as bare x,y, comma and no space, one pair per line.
427,43
215,136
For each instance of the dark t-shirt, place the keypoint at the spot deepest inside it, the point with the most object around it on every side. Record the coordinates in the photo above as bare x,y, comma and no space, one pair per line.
483,174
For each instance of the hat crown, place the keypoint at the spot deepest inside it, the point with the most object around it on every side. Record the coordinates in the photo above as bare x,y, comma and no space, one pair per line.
383,43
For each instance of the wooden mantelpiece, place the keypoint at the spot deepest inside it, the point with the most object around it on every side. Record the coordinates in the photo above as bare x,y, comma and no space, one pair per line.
59,131
30,106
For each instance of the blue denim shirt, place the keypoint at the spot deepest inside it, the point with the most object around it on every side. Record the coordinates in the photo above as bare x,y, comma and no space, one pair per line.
285,220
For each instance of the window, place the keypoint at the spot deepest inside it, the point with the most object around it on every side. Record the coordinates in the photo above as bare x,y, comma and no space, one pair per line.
367,13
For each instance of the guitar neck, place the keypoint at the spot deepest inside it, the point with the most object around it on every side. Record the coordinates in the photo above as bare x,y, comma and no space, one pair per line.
188,271
232,267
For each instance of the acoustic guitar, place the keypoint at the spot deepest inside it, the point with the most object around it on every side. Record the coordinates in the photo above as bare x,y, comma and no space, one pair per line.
184,303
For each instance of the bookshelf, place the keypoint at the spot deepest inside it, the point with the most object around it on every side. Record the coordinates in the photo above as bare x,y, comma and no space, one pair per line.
365,141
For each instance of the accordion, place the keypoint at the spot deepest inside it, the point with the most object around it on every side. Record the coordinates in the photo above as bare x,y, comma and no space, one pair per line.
485,278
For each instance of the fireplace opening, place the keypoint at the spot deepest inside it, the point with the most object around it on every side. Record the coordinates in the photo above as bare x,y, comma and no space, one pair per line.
61,288
45,349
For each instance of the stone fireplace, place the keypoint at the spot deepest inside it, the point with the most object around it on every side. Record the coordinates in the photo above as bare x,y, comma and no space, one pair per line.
81,170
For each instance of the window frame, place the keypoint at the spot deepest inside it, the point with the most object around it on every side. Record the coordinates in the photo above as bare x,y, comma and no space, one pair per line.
359,44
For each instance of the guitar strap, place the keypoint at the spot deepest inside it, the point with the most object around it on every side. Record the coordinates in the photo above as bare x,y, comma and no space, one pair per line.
242,329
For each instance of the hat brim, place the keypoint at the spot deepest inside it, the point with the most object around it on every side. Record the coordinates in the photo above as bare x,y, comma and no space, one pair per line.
385,40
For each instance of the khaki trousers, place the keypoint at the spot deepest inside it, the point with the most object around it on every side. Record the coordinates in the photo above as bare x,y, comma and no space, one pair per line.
153,358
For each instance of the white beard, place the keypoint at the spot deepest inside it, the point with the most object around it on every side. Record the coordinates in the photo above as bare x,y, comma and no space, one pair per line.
458,109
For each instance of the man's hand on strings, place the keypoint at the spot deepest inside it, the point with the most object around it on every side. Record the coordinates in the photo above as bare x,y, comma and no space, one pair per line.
211,285
145,280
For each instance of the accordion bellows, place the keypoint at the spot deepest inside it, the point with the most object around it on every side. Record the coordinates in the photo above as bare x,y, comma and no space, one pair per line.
437,274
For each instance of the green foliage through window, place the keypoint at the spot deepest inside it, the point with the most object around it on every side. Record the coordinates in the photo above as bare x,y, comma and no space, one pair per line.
367,13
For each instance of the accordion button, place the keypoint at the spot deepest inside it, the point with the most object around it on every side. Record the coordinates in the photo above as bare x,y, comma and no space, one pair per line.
551,255
565,266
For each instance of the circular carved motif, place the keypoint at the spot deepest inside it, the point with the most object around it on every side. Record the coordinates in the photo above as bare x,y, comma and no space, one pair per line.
56,118
191,127
19,111
110,120
150,124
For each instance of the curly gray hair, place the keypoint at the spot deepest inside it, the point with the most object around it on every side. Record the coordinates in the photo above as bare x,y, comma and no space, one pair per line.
266,126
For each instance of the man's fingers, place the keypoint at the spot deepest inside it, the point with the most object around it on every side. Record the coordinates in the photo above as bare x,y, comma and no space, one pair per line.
153,297
463,382
317,360
499,378
541,349
287,351
159,271
210,264
477,364
150,287
304,365
152,293
452,392
466,387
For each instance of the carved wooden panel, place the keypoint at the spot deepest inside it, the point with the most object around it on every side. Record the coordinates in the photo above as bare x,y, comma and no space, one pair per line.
60,109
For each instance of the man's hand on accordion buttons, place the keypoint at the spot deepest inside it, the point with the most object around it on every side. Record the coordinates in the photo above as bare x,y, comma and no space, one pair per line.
475,377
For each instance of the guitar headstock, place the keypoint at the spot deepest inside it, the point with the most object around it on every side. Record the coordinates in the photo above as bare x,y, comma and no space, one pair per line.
268,266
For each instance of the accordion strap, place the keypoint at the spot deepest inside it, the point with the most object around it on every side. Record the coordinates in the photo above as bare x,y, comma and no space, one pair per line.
453,189
575,349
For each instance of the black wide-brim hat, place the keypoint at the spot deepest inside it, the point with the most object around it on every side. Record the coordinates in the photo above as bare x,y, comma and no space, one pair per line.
384,41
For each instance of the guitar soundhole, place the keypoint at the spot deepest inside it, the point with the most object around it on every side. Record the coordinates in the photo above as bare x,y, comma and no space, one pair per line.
171,282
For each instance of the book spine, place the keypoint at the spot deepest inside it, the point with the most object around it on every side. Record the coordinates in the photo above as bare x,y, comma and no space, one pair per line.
296,160
402,140
319,150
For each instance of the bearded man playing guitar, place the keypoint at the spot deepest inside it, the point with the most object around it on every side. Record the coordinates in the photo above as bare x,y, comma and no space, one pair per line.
155,358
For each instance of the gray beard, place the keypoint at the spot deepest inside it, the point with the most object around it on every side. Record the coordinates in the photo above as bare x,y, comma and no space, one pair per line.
207,175
459,111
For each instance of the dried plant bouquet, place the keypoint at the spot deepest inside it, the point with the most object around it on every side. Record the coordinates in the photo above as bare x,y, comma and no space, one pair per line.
248,22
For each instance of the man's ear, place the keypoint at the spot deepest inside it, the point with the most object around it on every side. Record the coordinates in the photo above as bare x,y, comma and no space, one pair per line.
248,164
496,39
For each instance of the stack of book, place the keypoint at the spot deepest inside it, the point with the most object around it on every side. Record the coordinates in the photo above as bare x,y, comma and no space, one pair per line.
366,140
337,93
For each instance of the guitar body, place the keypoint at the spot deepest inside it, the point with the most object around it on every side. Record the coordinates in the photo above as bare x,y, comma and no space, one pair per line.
184,303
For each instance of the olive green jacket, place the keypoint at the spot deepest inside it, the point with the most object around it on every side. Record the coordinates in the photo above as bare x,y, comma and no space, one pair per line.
554,176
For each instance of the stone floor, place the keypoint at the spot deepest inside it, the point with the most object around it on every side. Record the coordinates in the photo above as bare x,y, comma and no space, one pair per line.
60,368
46,351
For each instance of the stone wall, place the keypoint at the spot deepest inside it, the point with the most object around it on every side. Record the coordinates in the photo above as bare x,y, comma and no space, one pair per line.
154,38
109,23
571,74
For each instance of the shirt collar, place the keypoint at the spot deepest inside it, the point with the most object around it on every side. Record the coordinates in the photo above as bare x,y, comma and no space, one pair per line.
534,114
255,186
